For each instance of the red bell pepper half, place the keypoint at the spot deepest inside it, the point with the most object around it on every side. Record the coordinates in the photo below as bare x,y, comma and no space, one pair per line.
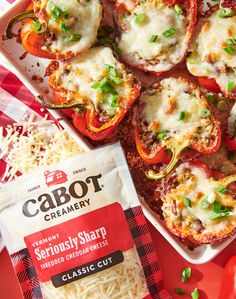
228,285
38,35
152,144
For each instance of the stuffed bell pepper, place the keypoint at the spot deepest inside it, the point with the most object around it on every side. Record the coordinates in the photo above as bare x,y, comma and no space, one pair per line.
197,207
172,115
58,29
212,56
154,35
98,86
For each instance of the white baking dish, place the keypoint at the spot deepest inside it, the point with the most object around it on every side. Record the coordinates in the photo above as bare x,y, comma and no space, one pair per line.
25,69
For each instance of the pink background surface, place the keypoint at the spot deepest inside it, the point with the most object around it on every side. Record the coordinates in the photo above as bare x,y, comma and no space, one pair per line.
206,277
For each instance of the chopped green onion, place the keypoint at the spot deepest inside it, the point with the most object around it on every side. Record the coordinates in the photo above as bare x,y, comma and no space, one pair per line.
112,70
205,113
153,38
221,189
211,98
221,215
178,10
191,61
169,32
179,291
187,202
115,80
64,8
75,37
106,86
162,135
140,19
219,208
186,273
220,211
37,27
204,203
195,294
114,99
64,27
226,12
182,115
229,50
50,6
55,13
231,86
95,85
231,41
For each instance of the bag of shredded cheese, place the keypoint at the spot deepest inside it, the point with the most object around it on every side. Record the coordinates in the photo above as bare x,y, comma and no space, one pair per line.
76,230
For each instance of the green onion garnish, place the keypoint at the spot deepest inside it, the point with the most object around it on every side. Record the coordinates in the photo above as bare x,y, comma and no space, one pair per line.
229,50
64,27
187,202
231,41
113,99
195,294
231,86
191,61
178,10
220,211
153,38
112,70
219,208
204,203
95,85
115,80
182,115
186,273
75,37
211,98
221,189
221,215
50,6
205,113
55,13
37,27
140,19
179,291
162,135
226,12
63,8
169,32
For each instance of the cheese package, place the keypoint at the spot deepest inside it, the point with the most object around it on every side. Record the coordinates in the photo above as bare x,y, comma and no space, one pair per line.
76,230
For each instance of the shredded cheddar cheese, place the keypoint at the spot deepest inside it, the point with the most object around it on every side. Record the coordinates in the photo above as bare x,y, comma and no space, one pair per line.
123,281
28,146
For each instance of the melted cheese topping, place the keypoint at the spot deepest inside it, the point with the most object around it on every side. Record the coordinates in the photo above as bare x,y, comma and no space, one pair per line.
196,187
208,58
79,17
88,68
165,51
165,106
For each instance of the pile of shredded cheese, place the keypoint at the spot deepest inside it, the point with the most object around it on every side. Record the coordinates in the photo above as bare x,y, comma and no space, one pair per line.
31,145
123,281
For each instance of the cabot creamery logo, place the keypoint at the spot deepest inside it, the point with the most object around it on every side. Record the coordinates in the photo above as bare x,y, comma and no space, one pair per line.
63,200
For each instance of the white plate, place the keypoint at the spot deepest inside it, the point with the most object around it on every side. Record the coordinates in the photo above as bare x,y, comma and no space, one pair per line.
25,69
